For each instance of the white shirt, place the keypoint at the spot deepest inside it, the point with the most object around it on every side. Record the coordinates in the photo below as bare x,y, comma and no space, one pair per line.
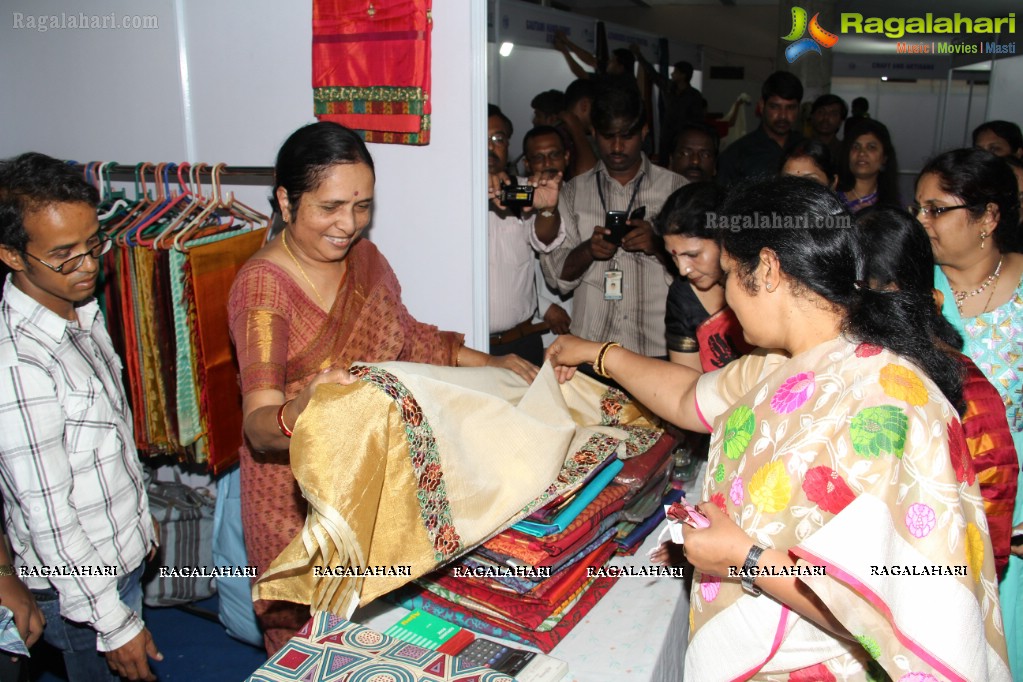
69,473
637,320
512,262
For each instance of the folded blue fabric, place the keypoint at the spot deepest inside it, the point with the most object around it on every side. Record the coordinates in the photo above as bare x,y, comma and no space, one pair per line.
585,496
642,530
10,638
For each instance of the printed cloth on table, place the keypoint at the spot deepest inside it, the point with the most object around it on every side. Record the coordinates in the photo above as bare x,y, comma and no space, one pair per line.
371,67
435,498
332,648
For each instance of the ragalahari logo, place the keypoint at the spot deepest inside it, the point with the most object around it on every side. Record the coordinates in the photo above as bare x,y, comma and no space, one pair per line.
818,36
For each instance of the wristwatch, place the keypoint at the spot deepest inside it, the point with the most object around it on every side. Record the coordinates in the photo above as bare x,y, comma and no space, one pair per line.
548,212
749,568
6,570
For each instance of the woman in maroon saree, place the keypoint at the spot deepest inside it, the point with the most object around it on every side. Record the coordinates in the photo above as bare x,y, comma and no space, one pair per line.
301,310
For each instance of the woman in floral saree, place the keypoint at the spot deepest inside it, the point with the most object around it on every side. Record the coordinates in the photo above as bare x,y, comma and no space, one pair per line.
846,540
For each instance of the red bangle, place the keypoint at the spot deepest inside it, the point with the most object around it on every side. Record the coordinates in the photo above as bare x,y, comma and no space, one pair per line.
280,420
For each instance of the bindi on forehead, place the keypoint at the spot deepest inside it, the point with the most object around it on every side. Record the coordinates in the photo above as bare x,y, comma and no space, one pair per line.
356,192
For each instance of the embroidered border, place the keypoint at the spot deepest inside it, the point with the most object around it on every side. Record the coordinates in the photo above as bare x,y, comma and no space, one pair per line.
434,509
611,405
376,93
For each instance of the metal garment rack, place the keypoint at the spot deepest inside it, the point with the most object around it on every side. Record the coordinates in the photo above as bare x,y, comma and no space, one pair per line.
230,175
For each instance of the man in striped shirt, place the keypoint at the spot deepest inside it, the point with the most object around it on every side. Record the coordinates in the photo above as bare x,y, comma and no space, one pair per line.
77,513
620,288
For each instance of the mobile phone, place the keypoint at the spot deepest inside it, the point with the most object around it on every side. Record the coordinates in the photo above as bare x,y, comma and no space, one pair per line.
616,222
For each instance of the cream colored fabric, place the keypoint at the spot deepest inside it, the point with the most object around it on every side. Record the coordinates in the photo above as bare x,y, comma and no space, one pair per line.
416,464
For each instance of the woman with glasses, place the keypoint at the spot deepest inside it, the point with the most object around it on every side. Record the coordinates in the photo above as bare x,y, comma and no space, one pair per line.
967,200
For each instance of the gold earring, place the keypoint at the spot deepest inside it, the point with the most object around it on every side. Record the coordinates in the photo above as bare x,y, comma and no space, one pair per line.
983,238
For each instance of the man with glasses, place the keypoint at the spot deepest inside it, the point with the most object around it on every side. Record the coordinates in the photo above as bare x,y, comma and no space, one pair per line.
516,234
77,513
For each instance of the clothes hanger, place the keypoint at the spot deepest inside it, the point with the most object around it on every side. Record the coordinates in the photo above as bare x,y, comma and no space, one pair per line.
143,201
155,223
194,202
212,205
158,203
113,202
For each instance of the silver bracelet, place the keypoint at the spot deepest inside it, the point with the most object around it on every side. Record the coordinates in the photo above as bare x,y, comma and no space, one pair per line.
749,568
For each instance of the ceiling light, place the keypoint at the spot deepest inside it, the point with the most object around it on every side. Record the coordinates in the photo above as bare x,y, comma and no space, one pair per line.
506,49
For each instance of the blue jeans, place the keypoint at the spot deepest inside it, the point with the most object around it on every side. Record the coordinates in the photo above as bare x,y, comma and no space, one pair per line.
77,641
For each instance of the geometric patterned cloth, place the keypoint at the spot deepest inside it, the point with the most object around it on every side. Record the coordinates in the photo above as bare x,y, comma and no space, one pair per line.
332,649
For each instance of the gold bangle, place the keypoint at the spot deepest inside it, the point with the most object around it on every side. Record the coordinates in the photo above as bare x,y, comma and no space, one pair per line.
6,570
598,364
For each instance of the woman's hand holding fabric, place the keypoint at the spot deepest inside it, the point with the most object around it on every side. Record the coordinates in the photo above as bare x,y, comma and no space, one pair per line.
719,546
525,369
568,352
330,376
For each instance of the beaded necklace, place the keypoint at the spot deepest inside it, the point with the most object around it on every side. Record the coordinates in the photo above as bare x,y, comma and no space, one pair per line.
961,296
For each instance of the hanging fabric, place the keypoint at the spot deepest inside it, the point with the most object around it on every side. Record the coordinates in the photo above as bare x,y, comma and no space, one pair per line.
165,296
371,67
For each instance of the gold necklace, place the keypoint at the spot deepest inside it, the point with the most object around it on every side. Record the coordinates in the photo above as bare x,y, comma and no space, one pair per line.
961,296
301,270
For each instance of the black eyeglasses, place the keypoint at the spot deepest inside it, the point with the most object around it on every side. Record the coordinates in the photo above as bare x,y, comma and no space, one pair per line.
75,262
931,211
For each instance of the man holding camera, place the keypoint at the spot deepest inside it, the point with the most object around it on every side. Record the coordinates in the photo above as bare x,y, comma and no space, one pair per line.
521,222
611,257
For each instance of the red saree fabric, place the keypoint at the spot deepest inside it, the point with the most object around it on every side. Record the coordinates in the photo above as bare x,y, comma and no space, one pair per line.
486,624
994,457
371,67
283,340
720,340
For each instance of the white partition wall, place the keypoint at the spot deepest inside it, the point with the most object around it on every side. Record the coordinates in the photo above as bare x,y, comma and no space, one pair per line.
227,81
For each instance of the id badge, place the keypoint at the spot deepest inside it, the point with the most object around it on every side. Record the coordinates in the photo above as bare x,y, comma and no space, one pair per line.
613,285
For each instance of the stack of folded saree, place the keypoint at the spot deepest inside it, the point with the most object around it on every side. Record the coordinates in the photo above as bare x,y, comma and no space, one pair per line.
534,581
431,463
647,479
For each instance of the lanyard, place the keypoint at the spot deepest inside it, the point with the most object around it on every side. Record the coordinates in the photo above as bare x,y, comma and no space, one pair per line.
635,191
